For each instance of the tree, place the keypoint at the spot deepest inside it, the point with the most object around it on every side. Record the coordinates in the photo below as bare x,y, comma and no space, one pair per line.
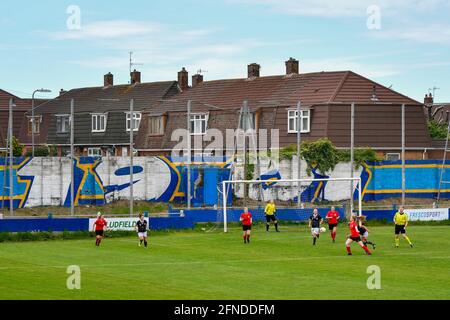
320,154
437,130
324,156
17,147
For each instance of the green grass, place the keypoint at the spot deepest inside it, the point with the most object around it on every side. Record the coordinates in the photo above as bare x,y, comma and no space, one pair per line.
202,265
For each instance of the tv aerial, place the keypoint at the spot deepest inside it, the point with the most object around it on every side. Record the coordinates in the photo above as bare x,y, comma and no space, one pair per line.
132,63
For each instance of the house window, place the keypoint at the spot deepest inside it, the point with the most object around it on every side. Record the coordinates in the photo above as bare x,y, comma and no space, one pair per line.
136,121
304,121
393,156
62,123
94,152
98,122
155,125
199,123
37,124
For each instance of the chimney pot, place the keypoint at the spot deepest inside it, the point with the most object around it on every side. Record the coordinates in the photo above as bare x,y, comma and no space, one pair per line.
108,79
253,70
135,77
183,79
62,91
292,66
428,100
197,79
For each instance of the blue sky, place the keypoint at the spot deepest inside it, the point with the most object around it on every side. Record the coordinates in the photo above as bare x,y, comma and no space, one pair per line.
409,48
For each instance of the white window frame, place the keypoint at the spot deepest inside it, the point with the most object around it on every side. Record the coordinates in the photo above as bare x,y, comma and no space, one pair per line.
96,124
196,122
137,116
37,125
161,125
292,115
393,153
67,129
91,152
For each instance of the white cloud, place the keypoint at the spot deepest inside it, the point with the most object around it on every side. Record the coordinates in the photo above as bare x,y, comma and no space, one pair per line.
339,8
432,34
109,30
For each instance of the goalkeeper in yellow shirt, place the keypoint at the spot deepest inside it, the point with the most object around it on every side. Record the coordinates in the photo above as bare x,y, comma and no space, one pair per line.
270,211
401,222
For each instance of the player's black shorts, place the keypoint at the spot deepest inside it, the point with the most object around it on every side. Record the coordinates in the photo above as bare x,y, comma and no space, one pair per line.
245,227
99,232
399,229
356,239
271,218
331,226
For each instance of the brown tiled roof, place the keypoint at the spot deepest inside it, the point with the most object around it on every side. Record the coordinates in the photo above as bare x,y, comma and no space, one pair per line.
20,104
282,90
104,99
319,90
19,109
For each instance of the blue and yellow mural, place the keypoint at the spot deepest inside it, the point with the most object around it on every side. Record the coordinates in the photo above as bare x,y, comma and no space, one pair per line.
88,185
380,180
21,185
383,180
206,176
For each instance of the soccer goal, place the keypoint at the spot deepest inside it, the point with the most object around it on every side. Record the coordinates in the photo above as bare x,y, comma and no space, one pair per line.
295,197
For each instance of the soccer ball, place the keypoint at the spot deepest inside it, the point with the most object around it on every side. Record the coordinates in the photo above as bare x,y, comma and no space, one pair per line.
323,229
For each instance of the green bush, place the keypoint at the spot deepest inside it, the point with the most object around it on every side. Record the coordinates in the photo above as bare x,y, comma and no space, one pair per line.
39,151
324,156
360,156
437,130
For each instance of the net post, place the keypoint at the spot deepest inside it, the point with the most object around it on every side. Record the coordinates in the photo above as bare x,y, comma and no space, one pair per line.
224,199
359,197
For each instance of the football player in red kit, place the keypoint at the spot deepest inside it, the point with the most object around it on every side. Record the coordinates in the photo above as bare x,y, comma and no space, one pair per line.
100,226
246,219
332,217
355,236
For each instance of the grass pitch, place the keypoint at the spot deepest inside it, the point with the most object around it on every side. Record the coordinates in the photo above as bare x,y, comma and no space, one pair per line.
201,265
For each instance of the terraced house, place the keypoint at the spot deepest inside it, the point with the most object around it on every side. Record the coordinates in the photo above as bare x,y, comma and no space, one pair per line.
102,117
326,98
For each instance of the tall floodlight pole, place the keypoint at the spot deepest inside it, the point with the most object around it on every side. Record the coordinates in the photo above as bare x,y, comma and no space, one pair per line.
131,154
299,161
352,150
11,158
403,156
33,120
72,157
188,162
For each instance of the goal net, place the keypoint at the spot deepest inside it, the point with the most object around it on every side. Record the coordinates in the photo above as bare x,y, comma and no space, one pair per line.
294,198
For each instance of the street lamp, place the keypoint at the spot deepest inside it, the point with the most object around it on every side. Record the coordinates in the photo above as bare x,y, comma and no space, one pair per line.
33,126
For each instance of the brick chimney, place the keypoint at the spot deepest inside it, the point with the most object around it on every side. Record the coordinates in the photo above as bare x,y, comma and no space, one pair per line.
197,79
108,79
428,100
183,78
135,77
253,70
291,66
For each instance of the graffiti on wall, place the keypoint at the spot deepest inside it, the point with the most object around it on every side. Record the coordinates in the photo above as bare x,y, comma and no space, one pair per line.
380,180
205,177
383,180
88,185
46,181
21,184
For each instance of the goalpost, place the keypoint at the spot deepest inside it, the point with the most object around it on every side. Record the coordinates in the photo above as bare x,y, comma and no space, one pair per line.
296,184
